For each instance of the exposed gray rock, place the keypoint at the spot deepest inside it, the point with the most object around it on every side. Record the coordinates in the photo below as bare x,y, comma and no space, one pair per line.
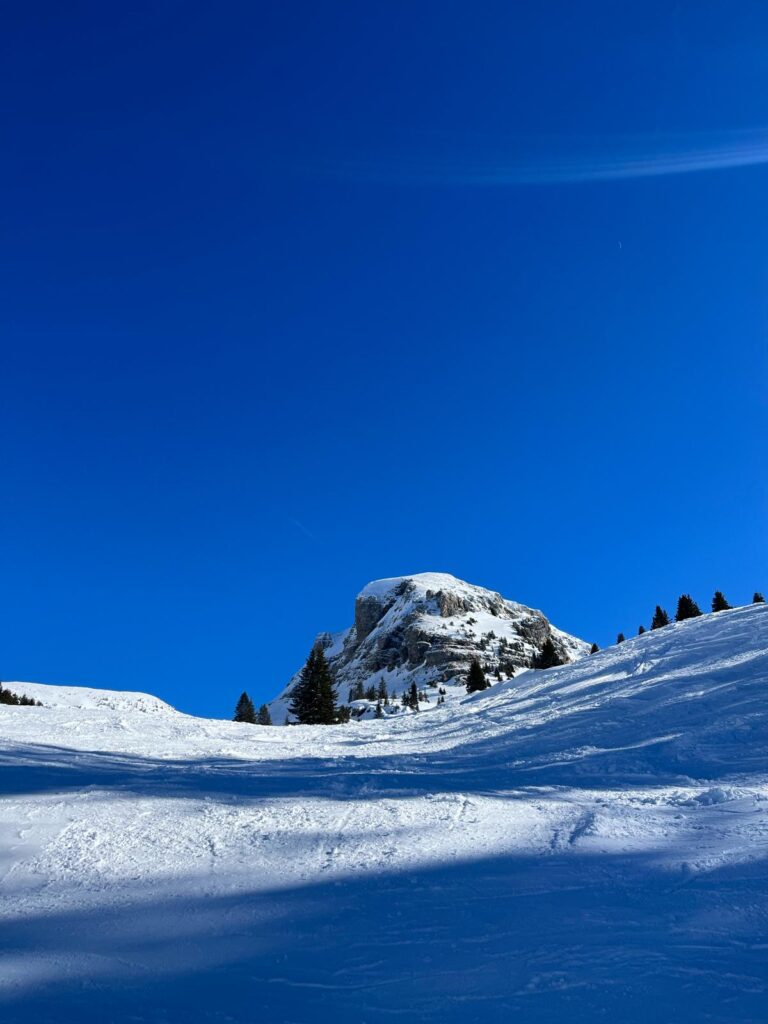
368,612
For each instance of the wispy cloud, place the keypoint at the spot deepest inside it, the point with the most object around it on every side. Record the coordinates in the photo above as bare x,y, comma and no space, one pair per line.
548,161
302,528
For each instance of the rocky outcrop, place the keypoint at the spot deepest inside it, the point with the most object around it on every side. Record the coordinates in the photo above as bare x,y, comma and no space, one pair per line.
368,613
427,628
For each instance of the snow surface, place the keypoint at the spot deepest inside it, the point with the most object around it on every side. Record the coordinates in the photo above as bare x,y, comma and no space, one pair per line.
91,698
423,581
587,843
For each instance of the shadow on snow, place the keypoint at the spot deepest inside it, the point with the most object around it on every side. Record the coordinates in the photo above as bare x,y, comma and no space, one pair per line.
494,939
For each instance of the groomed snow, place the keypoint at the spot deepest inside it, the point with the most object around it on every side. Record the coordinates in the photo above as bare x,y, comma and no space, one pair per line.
586,843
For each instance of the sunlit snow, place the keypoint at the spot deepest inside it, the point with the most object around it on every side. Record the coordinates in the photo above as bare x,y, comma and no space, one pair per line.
584,843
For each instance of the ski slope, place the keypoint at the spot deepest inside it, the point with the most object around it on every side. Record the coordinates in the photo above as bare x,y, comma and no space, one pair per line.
586,843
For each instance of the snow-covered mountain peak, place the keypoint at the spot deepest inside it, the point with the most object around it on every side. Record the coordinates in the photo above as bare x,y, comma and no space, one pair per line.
425,629
420,582
435,592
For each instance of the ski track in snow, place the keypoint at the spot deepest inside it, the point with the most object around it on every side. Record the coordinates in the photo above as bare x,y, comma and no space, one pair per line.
585,843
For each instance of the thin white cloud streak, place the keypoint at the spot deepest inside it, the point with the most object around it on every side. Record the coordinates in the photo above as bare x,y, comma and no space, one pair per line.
302,528
630,157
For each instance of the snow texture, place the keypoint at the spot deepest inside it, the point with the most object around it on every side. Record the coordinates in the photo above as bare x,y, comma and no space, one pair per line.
586,843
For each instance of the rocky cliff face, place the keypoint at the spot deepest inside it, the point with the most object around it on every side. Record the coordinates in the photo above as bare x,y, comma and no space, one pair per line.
426,629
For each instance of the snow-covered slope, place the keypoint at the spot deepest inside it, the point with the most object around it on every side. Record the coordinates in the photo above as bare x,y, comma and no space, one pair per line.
426,629
586,843
88,697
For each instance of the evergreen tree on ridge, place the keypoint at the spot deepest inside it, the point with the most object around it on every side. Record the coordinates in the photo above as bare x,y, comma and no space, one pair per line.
244,710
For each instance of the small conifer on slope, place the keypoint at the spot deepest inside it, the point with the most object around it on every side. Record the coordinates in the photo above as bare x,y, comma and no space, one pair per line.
476,679
264,717
686,608
313,701
548,657
244,710
357,692
660,618
758,598
719,603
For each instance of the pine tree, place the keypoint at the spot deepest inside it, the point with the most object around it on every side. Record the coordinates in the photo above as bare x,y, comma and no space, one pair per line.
686,608
244,710
620,638
758,598
381,691
370,693
660,618
640,630
413,697
313,701
302,705
264,717
326,691
343,714
594,649
379,713
476,680
8,697
548,656
719,603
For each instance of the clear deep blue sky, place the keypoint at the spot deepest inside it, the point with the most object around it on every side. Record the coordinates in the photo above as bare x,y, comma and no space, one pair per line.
299,295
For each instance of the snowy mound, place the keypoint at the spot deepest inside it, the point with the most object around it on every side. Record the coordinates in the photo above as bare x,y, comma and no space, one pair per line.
426,629
580,844
422,582
90,698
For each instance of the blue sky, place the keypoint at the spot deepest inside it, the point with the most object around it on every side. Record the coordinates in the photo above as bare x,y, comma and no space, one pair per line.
294,296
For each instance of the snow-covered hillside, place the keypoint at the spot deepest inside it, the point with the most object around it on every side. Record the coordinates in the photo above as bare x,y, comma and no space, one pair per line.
586,843
425,629
88,697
